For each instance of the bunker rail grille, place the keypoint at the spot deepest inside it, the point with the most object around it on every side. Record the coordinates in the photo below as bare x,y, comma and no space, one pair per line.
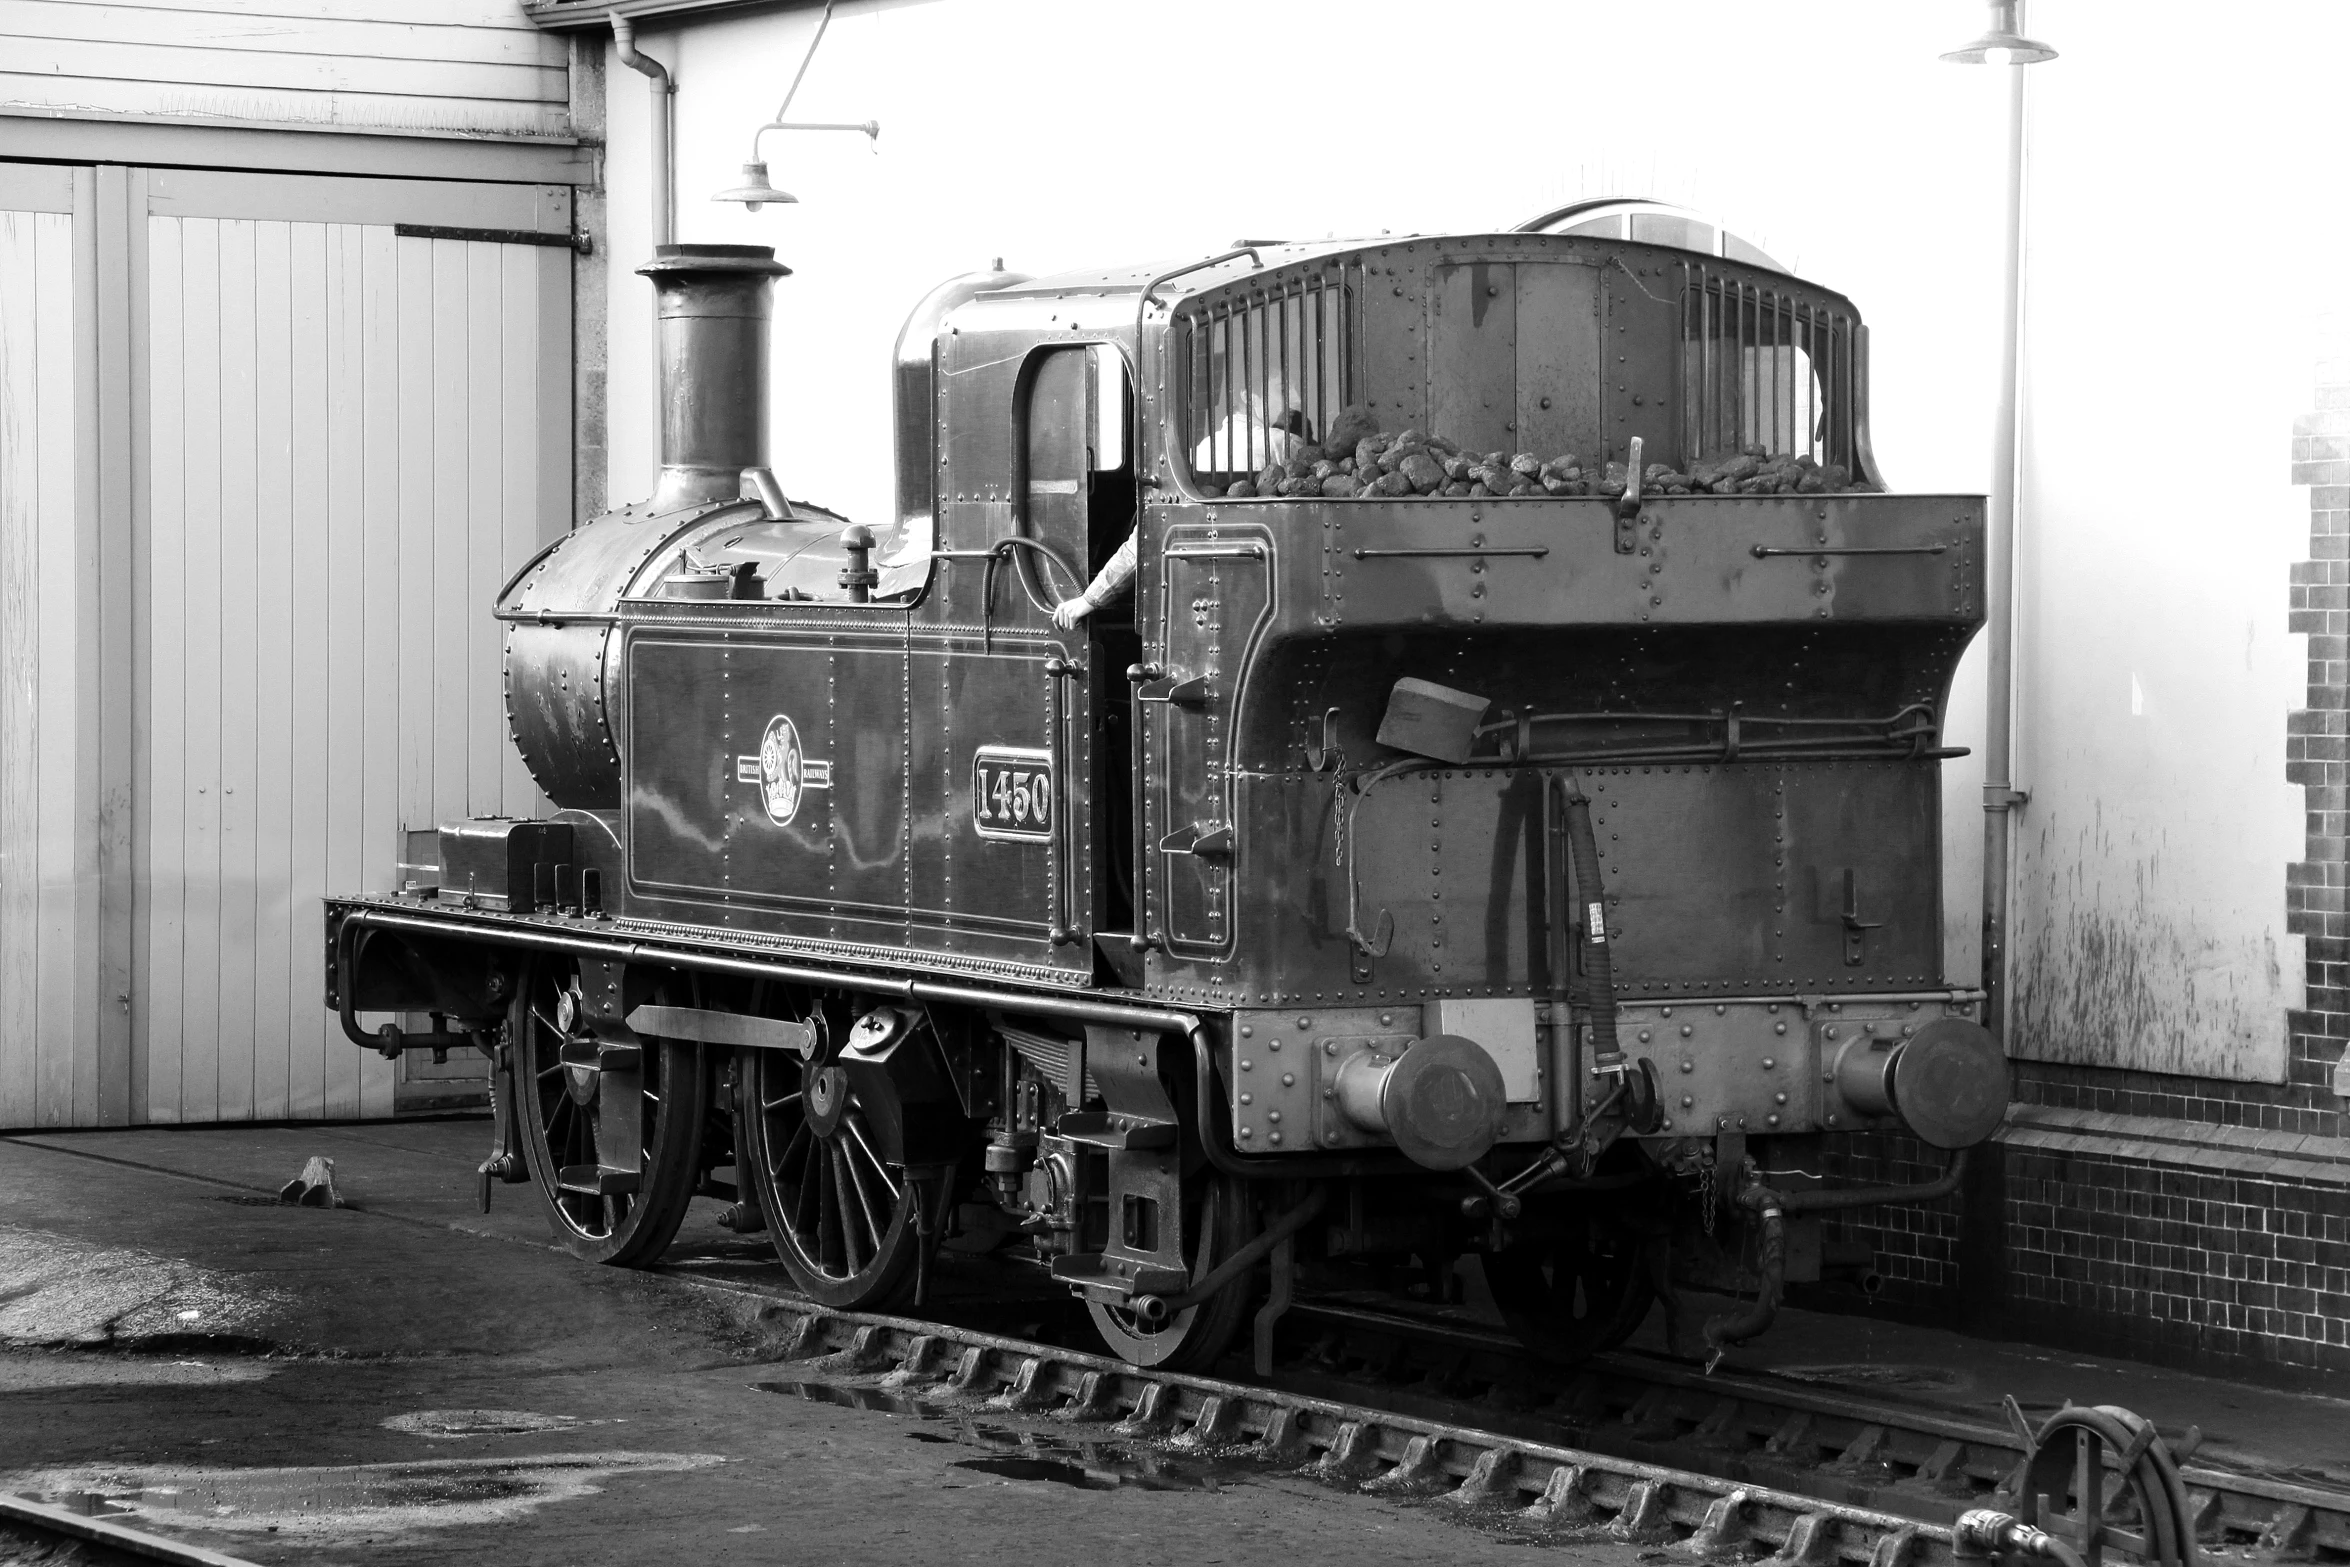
1277,401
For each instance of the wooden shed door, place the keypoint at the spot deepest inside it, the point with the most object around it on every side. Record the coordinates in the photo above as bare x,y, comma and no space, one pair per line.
354,437
336,440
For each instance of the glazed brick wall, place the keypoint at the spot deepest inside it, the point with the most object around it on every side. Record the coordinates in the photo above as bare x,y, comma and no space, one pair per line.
2242,1269
1917,1246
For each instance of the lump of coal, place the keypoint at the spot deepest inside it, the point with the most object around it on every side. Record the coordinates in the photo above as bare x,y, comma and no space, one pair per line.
1354,424
1422,473
1240,489
1339,486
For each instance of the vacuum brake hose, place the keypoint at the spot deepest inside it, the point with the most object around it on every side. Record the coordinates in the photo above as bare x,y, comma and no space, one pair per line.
1598,962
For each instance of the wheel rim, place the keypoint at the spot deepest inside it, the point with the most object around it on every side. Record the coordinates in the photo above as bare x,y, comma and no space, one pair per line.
1575,1293
1196,1335
841,1218
562,1107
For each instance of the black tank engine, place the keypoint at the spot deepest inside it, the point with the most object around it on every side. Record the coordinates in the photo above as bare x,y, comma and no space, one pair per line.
1501,822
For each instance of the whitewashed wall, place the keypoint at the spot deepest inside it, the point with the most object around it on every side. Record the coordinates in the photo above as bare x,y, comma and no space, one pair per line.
2182,243
468,67
1056,133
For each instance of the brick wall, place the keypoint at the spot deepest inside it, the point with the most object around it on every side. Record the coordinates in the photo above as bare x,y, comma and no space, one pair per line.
2183,1220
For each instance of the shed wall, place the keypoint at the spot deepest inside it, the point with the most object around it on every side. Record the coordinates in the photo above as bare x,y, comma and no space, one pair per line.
339,442
461,67
48,810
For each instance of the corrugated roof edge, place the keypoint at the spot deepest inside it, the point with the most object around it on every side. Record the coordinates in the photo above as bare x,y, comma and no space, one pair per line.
564,16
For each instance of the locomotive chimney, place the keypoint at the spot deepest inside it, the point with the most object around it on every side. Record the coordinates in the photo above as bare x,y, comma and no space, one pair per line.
714,306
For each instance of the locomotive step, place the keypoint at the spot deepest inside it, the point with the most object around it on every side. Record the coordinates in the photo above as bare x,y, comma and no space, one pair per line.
591,1180
1108,1130
1115,1279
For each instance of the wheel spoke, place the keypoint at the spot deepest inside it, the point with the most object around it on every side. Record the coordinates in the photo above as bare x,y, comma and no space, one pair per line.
809,1223
770,1106
873,1229
799,1138
827,1226
879,1168
843,1183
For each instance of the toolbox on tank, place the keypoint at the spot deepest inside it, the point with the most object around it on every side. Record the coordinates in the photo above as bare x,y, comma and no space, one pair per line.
493,862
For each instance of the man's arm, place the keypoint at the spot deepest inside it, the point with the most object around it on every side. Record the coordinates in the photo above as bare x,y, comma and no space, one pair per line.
1113,579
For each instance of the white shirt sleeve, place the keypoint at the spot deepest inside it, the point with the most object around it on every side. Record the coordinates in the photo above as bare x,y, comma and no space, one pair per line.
1112,579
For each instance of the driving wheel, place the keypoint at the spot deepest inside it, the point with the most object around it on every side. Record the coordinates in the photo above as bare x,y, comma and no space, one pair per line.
1575,1287
841,1217
611,1129
1216,1223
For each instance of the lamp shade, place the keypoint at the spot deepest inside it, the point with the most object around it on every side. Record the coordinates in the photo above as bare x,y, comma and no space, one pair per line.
2002,45
755,191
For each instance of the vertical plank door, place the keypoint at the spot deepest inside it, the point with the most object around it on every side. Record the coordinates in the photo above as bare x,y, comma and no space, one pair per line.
49,807
353,437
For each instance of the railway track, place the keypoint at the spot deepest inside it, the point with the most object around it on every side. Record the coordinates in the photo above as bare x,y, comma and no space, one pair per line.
64,1536
1629,1446
1740,1427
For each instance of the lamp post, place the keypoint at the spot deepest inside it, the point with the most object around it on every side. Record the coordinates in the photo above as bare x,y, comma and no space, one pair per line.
757,190
2004,45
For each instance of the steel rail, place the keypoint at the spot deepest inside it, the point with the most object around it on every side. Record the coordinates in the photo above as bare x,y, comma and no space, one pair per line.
1544,1485
24,1512
1825,1477
1897,1456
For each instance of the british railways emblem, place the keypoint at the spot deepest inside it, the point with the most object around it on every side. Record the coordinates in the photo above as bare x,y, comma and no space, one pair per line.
783,771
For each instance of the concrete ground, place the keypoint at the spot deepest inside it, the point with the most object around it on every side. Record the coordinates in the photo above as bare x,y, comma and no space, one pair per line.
297,1384
293,1384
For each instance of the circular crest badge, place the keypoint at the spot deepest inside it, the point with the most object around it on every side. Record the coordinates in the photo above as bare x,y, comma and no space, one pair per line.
782,770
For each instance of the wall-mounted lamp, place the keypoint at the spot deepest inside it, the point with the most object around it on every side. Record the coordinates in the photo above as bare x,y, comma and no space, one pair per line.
2006,45
2002,45
757,190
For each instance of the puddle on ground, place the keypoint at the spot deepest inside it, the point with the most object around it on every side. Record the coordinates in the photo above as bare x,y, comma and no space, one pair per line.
1922,1379
1105,1466
873,1398
1015,1454
40,1371
447,1424
381,1502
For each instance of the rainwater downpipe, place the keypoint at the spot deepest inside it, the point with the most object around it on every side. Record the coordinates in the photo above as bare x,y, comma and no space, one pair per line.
2000,795
664,119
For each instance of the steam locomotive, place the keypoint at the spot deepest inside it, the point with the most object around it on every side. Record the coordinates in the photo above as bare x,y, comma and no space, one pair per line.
1501,823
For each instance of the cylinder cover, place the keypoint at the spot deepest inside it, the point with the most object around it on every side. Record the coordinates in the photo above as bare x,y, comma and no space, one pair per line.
1442,1100
1949,1083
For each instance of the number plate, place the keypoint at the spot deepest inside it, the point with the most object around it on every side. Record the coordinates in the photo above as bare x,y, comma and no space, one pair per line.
1012,793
